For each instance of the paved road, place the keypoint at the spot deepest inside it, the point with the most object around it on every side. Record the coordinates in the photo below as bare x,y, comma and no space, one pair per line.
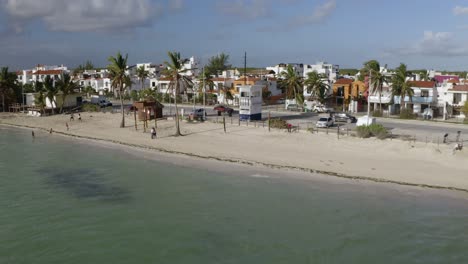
422,130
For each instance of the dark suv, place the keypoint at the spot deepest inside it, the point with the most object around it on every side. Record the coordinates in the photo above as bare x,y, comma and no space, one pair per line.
344,117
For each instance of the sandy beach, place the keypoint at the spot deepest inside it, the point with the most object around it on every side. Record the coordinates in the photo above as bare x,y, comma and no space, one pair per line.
395,161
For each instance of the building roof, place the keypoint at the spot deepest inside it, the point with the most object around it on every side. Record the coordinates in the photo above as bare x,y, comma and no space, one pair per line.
459,88
442,78
48,72
422,84
220,79
249,79
344,81
165,79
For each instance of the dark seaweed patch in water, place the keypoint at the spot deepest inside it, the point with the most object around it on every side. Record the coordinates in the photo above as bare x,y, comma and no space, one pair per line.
85,184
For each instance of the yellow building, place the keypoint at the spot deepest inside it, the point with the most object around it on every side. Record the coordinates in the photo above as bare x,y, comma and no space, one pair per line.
358,89
242,81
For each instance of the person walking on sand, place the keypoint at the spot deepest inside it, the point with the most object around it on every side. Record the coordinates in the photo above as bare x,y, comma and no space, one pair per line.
32,134
50,131
72,117
153,133
66,124
79,117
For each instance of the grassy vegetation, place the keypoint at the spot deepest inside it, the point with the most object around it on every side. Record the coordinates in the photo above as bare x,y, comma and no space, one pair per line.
351,72
374,130
407,114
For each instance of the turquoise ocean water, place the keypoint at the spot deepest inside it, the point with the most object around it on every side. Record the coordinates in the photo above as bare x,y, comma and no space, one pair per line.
65,201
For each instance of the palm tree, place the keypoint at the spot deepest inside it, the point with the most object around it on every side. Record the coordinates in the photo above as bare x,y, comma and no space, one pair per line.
315,86
174,71
40,97
51,91
227,94
423,75
218,64
66,86
400,86
142,74
293,85
204,81
7,84
372,69
117,67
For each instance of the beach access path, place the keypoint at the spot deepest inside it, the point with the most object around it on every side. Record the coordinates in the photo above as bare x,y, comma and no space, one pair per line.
396,161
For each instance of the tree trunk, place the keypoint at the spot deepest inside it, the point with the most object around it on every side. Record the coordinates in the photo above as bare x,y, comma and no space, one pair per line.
3,102
176,110
380,99
52,105
63,103
122,123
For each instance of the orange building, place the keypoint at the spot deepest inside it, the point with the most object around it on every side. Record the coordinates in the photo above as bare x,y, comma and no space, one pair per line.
342,88
242,81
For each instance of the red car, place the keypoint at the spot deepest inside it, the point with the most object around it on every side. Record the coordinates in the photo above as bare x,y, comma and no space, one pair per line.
223,109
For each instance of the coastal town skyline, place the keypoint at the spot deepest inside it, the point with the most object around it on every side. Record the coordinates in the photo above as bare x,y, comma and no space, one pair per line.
346,33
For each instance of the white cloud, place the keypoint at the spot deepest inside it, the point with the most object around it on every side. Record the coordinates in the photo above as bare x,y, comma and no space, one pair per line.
250,9
443,44
320,13
81,15
460,10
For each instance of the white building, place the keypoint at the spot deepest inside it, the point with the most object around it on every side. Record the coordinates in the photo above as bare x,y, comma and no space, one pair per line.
331,71
250,102
40,72
282,67
456,98
191,65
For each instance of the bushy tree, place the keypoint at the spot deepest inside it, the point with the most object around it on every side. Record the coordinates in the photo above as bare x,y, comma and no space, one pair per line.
217,64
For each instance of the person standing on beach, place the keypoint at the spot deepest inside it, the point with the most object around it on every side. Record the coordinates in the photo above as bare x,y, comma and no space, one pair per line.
79,117
66,124
32,134
72,117
153,133
50,131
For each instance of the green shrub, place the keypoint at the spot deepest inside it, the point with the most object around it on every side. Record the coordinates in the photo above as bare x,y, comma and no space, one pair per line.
374,130
90,108
363,132
407,114
278,123
377,113
378,131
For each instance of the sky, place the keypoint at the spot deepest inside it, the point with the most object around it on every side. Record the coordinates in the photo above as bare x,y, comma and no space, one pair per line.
430,34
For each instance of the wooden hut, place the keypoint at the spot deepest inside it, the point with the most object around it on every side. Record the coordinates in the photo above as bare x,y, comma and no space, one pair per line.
152,109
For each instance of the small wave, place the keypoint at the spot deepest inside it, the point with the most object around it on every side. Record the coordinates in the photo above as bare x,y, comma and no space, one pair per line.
259,176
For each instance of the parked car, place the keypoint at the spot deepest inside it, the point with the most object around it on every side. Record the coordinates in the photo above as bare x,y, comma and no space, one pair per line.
293,107
344,117
321,109
223,109
325,122
198,112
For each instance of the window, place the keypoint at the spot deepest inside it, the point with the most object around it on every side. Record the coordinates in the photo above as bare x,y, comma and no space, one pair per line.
457,97
424,93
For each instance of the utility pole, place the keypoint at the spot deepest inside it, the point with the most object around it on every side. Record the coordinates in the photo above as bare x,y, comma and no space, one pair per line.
245,68
368,95
203,87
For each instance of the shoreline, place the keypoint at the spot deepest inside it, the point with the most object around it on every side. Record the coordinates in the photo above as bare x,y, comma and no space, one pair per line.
252,163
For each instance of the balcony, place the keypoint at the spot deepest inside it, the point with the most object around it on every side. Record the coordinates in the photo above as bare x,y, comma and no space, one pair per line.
416,99
384,99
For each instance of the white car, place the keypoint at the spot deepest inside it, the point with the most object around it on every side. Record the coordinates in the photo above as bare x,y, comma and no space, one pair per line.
325,122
